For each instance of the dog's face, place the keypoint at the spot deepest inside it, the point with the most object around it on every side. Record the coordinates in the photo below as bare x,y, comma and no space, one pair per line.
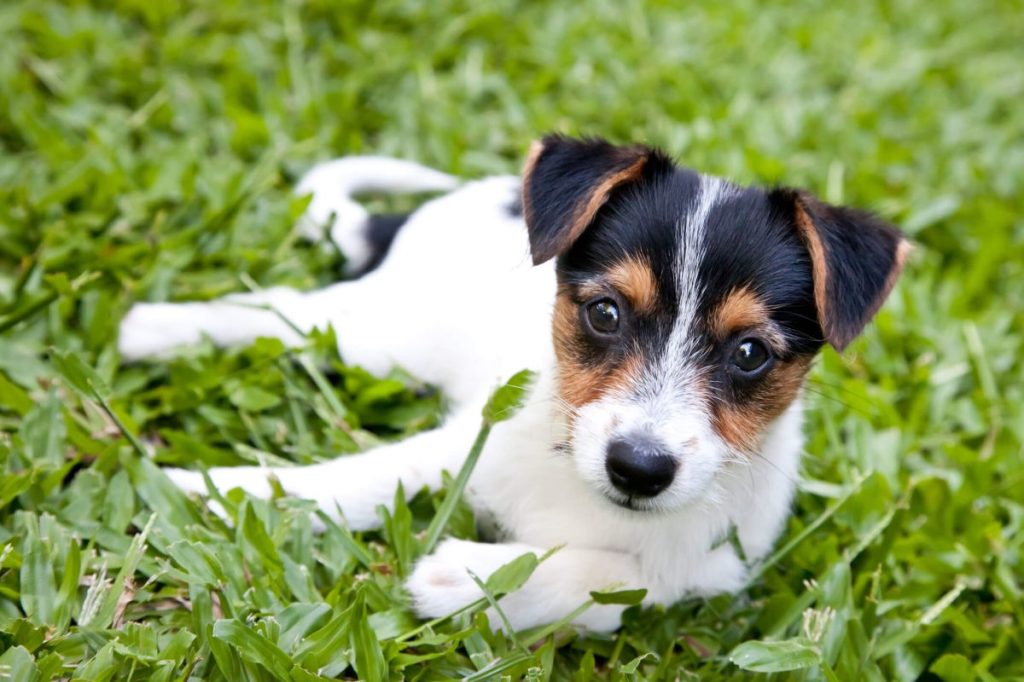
688,309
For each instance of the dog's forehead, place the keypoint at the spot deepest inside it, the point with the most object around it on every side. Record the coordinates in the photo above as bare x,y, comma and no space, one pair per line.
700,236
699,242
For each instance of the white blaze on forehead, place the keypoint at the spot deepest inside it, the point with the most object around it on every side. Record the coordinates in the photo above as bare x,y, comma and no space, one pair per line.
676,370
691,253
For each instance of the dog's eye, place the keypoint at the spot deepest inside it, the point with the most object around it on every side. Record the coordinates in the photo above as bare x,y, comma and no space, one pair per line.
603,316
750,356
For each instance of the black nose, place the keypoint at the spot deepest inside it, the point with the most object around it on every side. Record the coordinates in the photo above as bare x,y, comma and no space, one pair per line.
638,467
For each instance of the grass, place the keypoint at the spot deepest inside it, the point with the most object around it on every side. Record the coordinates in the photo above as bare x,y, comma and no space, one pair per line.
147,151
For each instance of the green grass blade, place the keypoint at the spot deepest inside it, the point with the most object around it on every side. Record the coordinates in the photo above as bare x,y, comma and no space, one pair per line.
440,521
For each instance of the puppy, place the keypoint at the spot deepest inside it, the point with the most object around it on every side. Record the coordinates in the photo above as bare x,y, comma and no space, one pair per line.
672,318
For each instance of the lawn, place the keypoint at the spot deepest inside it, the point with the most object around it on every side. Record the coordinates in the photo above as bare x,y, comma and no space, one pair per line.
147,152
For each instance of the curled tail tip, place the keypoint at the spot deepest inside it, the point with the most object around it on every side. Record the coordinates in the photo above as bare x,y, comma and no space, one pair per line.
352,174
333,213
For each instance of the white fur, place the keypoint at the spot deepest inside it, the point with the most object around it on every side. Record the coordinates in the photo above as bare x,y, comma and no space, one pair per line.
457,303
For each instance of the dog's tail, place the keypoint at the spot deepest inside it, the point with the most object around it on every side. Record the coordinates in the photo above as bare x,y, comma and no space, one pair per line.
363,238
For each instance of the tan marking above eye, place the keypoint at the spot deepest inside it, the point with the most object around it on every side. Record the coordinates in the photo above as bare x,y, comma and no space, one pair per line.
634,278
740,309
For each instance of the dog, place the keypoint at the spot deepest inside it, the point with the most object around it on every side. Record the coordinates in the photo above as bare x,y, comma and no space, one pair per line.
672,318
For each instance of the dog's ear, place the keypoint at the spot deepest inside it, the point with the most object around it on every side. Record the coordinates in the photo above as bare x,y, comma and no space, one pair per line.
567,181
856,258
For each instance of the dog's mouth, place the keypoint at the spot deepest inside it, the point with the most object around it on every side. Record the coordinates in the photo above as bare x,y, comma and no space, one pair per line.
628,503
640,505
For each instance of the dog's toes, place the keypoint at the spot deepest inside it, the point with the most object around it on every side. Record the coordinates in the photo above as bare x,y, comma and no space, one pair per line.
439,586
722,572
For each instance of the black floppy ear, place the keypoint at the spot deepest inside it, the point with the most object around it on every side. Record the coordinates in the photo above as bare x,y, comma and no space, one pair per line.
566,182
856,259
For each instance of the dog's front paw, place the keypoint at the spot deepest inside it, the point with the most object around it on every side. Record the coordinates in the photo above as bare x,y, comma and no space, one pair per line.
441,583
722,571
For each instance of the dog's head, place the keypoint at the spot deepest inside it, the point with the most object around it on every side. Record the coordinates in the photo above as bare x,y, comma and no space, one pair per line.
688,309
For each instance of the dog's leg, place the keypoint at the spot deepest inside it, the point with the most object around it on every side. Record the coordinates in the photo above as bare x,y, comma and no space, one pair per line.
154,329
355,484
441,583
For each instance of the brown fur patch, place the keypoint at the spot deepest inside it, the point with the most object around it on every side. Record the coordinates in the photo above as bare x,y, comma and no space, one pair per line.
742,426
536,148
741,309
635,280
819,265
580,383
902,251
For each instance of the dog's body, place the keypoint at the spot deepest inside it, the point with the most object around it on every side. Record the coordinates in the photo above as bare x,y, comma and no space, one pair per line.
646,437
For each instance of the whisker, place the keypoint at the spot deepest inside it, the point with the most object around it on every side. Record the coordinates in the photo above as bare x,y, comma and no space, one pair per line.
854,408
738,458
839,387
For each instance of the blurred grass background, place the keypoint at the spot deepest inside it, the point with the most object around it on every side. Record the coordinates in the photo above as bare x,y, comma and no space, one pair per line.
147,151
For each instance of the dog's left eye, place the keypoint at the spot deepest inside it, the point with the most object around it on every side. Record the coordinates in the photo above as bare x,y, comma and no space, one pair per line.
750,356
603,316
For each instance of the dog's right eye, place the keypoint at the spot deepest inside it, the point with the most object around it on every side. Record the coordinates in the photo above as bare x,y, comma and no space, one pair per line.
603,316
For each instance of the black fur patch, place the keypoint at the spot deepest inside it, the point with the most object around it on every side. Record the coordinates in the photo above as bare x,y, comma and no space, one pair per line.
515,209
567,182
380,234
